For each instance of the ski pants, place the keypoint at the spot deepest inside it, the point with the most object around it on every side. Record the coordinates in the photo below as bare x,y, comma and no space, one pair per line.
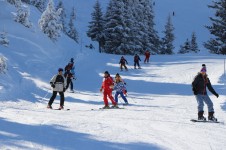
122,95
204,98
109,95
146,59
54,96
69,81
123,65
136,63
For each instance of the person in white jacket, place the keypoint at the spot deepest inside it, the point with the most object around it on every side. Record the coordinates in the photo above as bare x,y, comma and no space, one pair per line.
58,83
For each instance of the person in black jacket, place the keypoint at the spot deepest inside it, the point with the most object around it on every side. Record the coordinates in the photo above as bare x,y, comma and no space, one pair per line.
123,63
199,85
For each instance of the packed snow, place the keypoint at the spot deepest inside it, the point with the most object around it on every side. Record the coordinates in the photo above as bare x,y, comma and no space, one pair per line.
160,96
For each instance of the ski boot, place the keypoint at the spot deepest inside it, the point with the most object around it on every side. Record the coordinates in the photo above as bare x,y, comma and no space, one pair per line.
211,117
126,103
200,116
61,107
49,106
106,107
115,106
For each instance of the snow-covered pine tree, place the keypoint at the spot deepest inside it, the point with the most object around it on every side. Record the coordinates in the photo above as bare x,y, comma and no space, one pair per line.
22,14
50,21
26,1
217,44
40,4
62,15
114,32
95,31
72,33
167,40
13,2
185,48
153,38
3,65
3,38
194,45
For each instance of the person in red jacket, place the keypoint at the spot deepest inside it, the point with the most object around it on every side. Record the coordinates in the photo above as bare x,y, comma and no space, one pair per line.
147,56
107,91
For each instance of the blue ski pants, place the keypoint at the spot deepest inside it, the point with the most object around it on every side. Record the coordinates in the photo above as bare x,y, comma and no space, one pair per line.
204,98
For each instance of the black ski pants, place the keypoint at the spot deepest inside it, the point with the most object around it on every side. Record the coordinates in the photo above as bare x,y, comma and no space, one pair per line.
54,96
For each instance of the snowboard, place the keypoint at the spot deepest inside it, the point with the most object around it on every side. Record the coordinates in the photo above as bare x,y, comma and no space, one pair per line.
204,121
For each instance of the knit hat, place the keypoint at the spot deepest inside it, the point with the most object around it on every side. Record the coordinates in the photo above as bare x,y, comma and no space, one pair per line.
60,69
106,72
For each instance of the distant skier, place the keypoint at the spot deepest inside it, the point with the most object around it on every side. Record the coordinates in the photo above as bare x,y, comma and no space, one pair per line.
58,84
69,75
147,56
199,85
123,63
136,61
107,91
120,88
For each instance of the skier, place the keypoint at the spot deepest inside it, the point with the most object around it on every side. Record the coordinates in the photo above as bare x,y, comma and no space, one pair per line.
136,61
121,80
107,91
123,63
69,75
120,88
199,85
58,84
147,56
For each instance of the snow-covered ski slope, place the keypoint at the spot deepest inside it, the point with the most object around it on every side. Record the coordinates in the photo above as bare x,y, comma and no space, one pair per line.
160,95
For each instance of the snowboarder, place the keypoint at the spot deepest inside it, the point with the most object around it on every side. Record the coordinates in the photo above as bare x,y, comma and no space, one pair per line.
119,87
123,63
199,85
136,61
147,56
58,84
107,91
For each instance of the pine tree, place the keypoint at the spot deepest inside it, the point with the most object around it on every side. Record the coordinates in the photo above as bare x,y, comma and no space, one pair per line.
26,1
95,31
194,45
72,33
167,41
50,21
62,15
217,44
13,2
3,38
40,4
185,48
22,14
115,28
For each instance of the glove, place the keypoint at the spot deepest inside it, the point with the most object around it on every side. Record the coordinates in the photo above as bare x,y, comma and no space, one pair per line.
217,95
100,89
194,91
64,89
53,85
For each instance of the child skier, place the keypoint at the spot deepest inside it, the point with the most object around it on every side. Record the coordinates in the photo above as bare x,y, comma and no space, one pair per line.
107,91
147,56
199,85
136,61
58,84
123,63
119,87
120,78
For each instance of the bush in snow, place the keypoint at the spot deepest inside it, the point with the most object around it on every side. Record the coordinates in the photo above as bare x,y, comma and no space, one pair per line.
3,39
3,65
50,21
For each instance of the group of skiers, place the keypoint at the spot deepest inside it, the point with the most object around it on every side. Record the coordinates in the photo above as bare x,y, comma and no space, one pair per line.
136,60
60,82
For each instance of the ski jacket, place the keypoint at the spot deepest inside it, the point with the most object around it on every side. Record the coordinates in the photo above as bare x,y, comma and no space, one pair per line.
123,61
147,54
136,58
200,83
119,87
107,82
59,82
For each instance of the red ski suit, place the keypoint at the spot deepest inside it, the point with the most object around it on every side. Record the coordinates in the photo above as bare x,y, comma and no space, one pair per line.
107,82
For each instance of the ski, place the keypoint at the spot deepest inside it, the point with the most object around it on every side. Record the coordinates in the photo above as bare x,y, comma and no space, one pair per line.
61,109
204,121
107,108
